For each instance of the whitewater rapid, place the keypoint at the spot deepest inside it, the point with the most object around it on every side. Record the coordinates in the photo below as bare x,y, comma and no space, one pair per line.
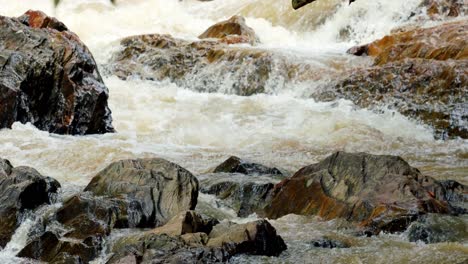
199,130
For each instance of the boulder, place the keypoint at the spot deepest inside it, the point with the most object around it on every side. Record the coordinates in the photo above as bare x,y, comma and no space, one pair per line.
21,189
76,232
432,92
420,72
49,78
188,222
50,248
237,165
207,65
158,188
378,193
242,193
254,238
443,42
231,31
162,248
223,242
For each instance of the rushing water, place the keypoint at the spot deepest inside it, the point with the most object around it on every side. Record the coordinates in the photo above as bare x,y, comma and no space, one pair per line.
199,130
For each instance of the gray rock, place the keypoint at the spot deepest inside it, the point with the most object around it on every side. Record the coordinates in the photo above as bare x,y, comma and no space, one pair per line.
21,189
159,188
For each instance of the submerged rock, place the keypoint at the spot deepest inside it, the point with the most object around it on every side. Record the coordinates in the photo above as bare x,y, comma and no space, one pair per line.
161,189
328,243
207,66
421,73
379,193
233,30
434,228
49,78
21,189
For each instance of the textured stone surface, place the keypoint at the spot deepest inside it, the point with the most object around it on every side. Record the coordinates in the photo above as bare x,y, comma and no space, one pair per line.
380,193
160,188
21,189
48,77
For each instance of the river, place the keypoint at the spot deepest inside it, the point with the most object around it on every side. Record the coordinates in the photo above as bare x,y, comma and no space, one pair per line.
281,127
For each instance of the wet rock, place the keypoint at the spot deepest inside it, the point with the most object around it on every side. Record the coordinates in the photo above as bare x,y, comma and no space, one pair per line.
85,216
49,78
420,72
379,193
296,4
159,189
443,42
153,248
223,242
255,238
206,66
188,222
434,228
231,31
430,91
450,8
243,194
51,248
75,233
328,243
21,189
237,165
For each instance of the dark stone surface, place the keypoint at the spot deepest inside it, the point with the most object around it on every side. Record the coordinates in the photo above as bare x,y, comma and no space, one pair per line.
48,77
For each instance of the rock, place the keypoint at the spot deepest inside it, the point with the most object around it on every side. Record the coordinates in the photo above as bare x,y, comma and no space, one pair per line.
430,91
379,193
50,248
237,165
86,216
21,189
243,194
159,188
328,243
208,66
76,231
450,8
420,72
296,4
223,242
434,228
49,78
188,222
233,27
442,42
153,248
254,238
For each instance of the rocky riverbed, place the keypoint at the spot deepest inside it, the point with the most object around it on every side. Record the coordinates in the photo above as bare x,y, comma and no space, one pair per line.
240,132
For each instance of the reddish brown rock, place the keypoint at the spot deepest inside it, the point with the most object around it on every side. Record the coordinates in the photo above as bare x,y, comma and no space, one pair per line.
380,193
422,73
443,42
232,31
